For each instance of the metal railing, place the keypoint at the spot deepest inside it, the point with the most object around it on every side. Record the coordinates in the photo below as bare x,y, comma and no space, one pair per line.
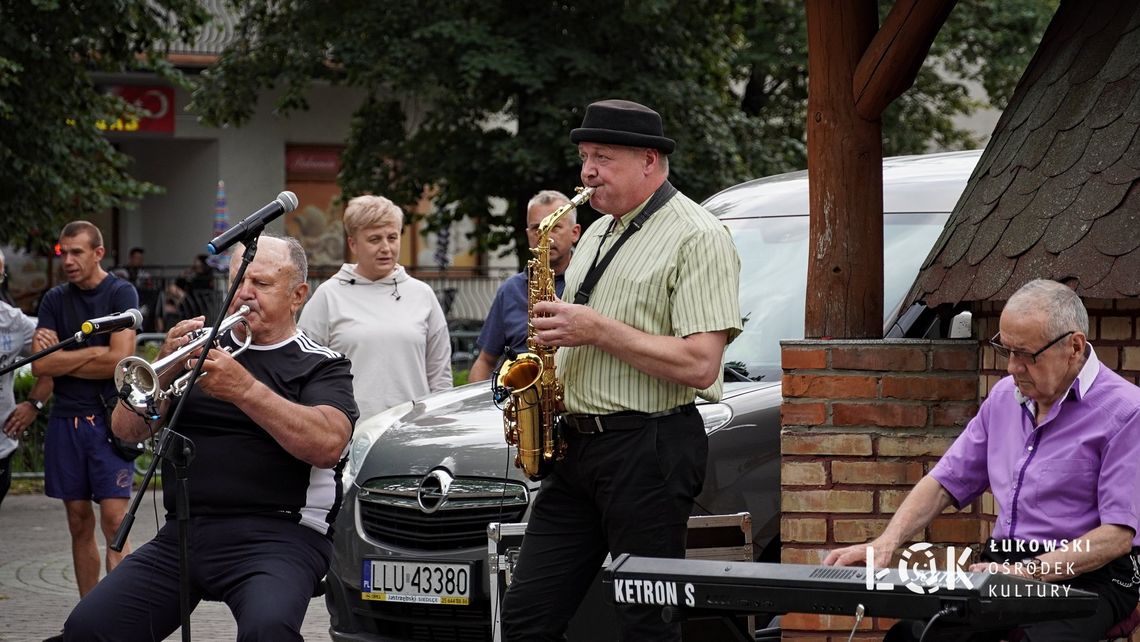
464,293
465,296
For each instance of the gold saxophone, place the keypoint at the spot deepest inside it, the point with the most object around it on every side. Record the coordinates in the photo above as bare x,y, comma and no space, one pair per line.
535,392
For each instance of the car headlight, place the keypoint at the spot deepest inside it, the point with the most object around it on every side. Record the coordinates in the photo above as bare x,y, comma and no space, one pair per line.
365,434
715,415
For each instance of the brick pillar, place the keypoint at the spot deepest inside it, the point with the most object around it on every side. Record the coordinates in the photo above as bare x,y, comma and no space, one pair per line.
863,421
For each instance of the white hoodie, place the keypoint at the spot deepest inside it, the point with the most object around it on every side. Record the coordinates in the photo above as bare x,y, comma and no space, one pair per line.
393,331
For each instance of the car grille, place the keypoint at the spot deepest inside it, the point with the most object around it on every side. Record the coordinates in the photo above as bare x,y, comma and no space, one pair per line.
389,512
425,622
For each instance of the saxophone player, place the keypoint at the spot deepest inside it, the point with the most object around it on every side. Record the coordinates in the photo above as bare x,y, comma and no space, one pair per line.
649,305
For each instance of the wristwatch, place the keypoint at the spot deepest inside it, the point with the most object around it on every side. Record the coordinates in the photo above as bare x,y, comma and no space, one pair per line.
36,403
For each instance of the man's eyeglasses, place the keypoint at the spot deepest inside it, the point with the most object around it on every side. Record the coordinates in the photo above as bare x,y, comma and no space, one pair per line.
533,229
1029,357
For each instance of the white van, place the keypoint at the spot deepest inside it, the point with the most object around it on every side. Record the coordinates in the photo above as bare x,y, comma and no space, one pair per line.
768,218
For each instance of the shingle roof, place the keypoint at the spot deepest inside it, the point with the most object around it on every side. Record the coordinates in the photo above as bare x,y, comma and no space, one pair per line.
1056,194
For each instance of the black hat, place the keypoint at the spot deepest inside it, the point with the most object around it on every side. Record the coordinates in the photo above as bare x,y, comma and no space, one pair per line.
621,122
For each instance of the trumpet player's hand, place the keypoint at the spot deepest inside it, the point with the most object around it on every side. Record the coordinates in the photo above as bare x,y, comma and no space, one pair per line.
44,338
565,324
178,336
228,380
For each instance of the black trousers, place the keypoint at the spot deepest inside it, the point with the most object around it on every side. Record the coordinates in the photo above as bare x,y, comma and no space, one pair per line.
624,491
265,569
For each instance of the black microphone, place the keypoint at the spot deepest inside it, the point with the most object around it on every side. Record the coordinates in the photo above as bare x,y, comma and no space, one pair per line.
112,323
286,202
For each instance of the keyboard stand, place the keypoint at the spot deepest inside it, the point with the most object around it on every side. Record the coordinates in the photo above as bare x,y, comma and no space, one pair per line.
734,625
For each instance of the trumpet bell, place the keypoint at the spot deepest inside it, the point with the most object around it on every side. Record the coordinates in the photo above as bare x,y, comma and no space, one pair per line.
138,381
141,380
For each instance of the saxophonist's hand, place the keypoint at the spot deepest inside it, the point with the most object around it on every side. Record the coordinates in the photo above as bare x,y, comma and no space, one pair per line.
565,324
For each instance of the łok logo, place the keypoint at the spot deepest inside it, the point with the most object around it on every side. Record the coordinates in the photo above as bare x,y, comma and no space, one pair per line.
918,570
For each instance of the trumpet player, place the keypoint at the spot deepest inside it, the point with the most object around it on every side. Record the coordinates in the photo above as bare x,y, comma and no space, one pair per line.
270,427
649,305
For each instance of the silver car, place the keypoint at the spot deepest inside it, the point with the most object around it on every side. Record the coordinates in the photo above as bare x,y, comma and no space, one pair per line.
425,479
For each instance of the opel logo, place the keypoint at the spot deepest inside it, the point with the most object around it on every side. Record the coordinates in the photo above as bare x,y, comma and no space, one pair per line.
432,493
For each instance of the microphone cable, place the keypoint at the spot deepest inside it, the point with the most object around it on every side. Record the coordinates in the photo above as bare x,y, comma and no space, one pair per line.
499,394
859,611
949,610
496,613
395,286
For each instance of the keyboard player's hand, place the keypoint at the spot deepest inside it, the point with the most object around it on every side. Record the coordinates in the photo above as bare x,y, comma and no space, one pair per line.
857,555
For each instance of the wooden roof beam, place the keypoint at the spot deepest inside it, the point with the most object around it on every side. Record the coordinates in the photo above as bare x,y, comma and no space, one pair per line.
891,62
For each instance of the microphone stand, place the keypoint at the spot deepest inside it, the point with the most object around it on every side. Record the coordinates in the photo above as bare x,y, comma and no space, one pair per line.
78,337
179,451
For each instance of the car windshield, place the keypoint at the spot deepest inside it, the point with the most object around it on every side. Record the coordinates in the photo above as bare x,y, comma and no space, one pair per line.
773,269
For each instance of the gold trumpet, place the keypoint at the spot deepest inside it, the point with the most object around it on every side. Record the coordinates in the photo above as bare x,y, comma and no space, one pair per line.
143,378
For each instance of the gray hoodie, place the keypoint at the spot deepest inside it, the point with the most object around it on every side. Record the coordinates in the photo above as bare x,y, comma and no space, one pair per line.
393,330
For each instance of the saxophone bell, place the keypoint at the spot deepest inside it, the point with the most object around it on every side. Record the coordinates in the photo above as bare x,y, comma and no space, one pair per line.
521,372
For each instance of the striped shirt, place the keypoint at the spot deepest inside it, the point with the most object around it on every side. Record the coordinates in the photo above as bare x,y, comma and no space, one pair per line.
678,275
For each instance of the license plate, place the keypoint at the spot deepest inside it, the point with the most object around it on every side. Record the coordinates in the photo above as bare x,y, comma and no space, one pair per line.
416,582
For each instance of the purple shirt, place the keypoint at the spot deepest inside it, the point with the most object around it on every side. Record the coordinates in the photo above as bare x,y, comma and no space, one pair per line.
1078,470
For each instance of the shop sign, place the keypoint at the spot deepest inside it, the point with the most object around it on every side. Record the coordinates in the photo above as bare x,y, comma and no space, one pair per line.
156,104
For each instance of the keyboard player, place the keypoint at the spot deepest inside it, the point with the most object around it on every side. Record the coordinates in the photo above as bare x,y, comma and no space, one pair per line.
1058,443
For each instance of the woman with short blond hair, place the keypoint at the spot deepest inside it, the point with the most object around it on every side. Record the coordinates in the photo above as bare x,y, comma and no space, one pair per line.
387,323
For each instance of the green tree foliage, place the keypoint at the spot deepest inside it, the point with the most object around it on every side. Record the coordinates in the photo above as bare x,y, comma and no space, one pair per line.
470,98
55,164
476,98
988,43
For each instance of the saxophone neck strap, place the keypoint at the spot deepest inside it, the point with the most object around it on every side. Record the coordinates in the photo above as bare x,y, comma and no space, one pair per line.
659,198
